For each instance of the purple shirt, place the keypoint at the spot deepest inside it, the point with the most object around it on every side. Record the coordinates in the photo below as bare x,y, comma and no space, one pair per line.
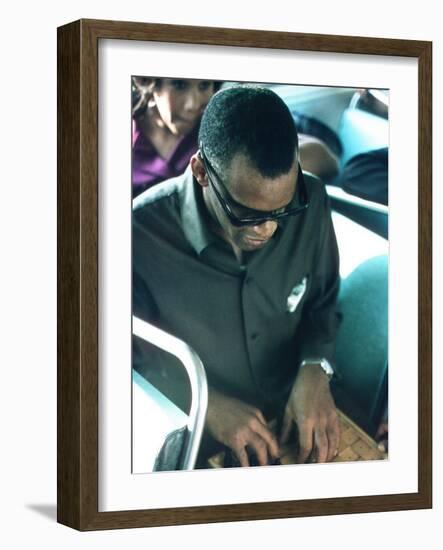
149,168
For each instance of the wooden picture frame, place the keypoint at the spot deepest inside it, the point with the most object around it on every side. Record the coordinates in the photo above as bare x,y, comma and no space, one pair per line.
78,243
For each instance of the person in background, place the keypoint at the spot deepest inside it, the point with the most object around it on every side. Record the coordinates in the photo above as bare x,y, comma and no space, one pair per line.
316,157
365,175
320,147
166,115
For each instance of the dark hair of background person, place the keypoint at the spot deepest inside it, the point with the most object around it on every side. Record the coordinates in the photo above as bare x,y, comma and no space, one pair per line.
253,121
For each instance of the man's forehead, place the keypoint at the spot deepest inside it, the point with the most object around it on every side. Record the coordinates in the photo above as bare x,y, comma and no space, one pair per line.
250,188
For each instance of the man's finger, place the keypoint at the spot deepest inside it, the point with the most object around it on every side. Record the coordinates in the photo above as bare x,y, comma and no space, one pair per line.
260,416
321,443
382,430
334,439
265,434
285,428
382,436
242,456
260,448
306,433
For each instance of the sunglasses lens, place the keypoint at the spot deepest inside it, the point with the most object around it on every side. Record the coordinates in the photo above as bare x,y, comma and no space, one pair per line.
241,221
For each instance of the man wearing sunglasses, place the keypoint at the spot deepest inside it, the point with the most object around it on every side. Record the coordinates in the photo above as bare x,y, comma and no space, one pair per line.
238,258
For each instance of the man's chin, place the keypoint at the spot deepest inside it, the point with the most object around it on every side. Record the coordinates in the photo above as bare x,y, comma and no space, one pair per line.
248,244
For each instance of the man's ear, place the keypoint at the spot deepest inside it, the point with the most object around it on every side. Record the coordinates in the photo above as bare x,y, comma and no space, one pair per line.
198,170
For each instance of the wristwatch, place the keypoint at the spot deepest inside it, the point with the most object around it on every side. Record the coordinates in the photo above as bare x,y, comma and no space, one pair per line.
323,363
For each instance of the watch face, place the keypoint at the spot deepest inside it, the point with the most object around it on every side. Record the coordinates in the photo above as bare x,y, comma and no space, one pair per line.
327,368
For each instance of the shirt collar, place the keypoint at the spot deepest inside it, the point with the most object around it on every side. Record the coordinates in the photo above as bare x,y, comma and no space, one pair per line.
192,215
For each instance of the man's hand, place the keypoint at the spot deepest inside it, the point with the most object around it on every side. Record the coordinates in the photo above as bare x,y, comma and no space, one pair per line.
312,408
237,425
382,436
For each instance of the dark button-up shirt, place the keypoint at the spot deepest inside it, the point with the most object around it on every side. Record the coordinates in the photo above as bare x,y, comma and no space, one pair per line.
253,322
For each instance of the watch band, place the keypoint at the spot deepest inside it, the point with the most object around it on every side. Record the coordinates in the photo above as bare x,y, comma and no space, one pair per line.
323,363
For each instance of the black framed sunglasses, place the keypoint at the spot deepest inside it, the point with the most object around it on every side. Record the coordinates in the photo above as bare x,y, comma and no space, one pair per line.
299,203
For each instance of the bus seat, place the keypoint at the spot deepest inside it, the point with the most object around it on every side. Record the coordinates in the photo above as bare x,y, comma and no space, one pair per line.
362,343
360,131
163,436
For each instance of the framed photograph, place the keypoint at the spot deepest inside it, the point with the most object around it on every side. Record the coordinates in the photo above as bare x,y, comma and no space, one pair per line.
131,97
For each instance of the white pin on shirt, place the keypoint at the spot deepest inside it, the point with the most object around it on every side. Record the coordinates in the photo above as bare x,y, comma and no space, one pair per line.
296,295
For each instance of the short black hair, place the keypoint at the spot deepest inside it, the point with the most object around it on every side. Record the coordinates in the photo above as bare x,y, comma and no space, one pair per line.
251,120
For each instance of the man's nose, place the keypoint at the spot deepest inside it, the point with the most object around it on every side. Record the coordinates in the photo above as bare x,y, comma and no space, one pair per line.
265,230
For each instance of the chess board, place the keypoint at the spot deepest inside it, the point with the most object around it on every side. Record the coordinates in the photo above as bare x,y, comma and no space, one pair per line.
355,445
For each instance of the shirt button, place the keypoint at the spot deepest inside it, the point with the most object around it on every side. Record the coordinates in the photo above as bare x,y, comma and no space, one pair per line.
254,336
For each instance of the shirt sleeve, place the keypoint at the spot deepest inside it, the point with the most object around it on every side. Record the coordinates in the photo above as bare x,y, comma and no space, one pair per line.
321,318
